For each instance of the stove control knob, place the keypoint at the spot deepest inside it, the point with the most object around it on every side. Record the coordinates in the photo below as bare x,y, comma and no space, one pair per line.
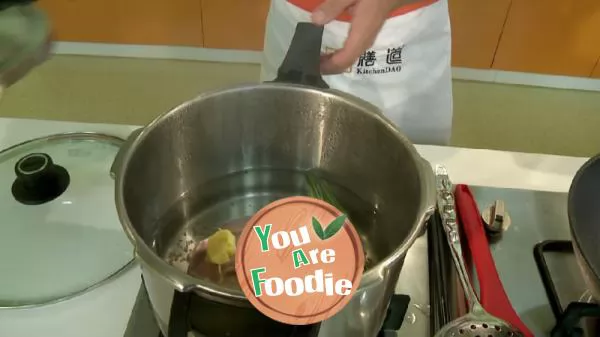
496,219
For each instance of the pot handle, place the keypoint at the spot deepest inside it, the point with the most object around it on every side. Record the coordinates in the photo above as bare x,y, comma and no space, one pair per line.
117,162
429,200
302,63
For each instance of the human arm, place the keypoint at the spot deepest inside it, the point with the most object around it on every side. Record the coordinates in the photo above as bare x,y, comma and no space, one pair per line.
368,17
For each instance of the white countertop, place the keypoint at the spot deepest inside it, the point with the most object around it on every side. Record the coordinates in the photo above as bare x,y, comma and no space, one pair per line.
104,312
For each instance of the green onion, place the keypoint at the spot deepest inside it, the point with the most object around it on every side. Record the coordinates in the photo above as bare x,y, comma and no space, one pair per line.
320,189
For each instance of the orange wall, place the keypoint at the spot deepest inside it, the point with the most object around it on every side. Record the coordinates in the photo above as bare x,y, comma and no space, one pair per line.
476,29
596,72
559,37
540,36
234,24
156,22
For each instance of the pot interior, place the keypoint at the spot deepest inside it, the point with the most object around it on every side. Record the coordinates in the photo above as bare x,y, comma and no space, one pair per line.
215,161
228,202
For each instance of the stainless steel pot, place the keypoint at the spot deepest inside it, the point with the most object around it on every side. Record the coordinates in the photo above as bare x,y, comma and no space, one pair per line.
584,222
225,154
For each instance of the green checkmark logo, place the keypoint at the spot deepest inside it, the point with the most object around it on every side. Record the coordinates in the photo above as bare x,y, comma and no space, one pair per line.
331,229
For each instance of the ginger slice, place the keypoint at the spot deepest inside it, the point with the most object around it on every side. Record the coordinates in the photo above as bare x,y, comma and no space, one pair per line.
220,247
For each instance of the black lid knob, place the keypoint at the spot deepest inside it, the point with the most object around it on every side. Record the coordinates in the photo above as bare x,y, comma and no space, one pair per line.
39,180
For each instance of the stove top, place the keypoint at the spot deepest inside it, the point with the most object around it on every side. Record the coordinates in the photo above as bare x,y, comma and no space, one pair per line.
536,262
407,314
579,317
143,324
533,258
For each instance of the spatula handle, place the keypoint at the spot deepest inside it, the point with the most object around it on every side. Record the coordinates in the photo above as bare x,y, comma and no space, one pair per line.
447,210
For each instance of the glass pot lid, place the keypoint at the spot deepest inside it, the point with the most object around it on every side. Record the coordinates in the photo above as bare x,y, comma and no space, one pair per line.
59,231
24,39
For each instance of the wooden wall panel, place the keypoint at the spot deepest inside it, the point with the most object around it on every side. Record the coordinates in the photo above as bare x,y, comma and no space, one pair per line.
560,37
476,29
596,71
234,24
159,22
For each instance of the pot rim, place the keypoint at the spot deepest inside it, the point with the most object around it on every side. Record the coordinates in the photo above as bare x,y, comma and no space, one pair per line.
184,282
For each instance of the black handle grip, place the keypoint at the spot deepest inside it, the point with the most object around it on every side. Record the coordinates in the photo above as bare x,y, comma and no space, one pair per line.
567,325
395,315
302,63
179,323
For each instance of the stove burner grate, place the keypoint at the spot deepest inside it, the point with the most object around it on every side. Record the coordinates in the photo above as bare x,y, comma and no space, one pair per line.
143,324
567,321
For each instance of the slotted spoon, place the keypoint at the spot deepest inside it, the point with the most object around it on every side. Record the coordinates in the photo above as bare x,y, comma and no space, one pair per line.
478,322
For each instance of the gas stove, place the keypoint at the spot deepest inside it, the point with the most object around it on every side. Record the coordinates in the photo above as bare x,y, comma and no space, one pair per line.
407,313
575,311
537,265
534,259
143,324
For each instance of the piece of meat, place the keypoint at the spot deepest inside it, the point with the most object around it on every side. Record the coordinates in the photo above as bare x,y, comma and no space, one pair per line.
201,268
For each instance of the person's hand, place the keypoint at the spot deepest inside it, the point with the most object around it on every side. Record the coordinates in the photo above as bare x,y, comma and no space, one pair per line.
368,17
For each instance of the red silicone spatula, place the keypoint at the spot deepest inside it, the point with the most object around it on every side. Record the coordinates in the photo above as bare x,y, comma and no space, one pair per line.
492,295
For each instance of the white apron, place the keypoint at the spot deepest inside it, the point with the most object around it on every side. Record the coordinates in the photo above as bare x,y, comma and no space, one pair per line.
406,73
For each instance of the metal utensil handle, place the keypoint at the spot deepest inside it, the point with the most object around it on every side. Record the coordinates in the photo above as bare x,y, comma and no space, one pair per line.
447,211
444,301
